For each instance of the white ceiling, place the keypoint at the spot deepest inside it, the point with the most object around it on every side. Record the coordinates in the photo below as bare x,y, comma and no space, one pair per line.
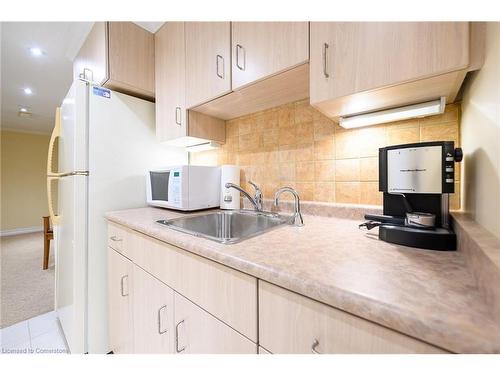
49,75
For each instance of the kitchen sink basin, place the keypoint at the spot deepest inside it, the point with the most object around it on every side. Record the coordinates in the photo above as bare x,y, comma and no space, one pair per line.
227,226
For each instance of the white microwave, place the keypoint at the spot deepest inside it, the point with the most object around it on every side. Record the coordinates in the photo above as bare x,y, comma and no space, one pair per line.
185,187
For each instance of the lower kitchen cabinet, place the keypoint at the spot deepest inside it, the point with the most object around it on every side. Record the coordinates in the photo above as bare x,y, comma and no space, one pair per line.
167,300
121,327
198,332
153,309
290,323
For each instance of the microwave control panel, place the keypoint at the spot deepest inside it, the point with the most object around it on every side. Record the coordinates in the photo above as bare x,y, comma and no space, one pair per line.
175,187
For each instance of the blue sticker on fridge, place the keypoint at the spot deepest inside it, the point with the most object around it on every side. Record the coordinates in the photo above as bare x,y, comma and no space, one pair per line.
99,91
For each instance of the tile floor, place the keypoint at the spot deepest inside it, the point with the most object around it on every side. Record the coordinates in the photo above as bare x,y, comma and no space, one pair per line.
39,335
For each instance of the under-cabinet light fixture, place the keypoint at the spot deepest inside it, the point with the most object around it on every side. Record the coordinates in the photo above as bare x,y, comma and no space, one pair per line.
430,108
206,146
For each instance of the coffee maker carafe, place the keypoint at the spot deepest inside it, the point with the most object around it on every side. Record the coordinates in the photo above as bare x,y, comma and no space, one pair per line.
416,180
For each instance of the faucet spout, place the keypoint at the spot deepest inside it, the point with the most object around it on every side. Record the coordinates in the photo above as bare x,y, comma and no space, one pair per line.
296,219
256,202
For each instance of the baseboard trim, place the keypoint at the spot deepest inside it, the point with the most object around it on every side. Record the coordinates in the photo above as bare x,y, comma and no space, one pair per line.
13,232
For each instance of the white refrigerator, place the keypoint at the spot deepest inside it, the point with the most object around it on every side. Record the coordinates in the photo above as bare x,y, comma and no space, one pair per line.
106,145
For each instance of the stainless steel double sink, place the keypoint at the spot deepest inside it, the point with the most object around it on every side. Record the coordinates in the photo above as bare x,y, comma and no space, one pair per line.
227,226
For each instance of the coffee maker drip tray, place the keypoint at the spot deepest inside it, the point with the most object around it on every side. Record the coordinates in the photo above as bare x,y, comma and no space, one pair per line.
434,239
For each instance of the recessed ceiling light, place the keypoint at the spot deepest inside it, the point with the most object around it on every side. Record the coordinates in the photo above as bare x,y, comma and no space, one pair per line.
24,112
35,51
28,91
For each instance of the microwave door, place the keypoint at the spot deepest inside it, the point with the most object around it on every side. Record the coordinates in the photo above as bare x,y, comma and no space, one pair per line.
159,182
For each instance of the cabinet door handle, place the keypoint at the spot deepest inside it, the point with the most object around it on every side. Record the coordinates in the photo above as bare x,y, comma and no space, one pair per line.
314,345
178,119
220,58
116,239
122,286
325,60
239,48
87,75
177,349
160,330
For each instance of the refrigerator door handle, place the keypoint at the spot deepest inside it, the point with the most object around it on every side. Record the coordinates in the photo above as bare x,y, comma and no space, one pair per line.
53,176
56,133
56,219
74,173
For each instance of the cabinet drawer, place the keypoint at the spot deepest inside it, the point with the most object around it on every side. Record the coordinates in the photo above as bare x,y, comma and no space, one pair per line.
198,332
291,323
118,239
229,295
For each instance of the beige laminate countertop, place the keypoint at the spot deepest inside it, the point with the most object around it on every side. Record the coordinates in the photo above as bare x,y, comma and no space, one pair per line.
429,295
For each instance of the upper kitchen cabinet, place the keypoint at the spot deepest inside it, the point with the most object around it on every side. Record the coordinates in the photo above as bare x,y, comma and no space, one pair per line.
119,56
208,61
174,123
170,72
269,68
261,49
358,67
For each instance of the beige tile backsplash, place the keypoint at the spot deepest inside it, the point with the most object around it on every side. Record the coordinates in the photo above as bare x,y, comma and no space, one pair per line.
296,145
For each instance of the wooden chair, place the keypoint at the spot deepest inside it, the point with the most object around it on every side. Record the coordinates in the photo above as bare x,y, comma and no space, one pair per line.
48,234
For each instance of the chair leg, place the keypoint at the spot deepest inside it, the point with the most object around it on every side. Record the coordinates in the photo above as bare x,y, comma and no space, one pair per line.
46,249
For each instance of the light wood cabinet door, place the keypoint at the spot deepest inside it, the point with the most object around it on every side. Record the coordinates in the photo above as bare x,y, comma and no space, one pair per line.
198,332
120,279
170,69
131,59
352,57
119,56
292,324
262,49
153,314
229,295
208,61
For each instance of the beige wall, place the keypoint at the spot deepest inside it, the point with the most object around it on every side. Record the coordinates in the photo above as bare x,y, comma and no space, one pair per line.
23,179
296,145
481,137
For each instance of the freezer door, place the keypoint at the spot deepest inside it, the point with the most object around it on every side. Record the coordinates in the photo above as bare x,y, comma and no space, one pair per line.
71,230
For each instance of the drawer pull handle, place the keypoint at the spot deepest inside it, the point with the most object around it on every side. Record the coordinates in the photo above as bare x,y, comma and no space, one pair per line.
116,239
177,349
314,346
122,286
160,330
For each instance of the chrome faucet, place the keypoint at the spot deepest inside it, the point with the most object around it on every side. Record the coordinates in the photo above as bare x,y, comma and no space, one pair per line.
296,219
256,200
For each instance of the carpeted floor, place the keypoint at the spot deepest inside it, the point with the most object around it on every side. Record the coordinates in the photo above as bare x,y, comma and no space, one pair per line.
26,289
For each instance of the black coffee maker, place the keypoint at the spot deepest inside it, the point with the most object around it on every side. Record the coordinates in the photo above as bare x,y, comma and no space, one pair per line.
416,180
